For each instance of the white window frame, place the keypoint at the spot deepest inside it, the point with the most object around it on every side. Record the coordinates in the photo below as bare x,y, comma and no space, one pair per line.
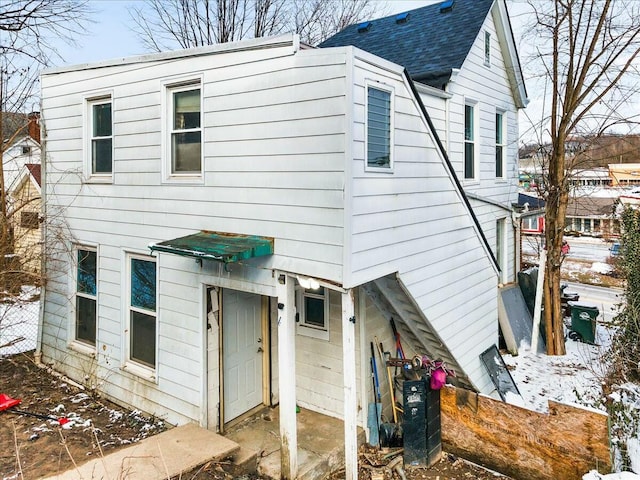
129,364
169,87
371,84
96,98
503,143
307,329
487,48
74,343
474,141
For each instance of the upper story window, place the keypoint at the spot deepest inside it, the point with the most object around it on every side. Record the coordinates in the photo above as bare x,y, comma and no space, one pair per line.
100,127
500,145
487,48
184,153
470,168
86,295
142,329
379,128
313,312
26,149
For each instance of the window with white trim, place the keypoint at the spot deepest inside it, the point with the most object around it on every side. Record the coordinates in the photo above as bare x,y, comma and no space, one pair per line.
487,48
470,142
500,145
100,136
379,128
141,306
184,142
86,295
313,312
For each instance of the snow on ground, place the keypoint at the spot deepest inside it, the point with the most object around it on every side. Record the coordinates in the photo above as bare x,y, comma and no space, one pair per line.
19,322
571,378
576,378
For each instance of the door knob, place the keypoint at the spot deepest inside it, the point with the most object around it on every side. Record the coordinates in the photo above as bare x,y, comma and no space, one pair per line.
260,350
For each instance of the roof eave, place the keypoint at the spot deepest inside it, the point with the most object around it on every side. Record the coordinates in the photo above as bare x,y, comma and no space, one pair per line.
510,53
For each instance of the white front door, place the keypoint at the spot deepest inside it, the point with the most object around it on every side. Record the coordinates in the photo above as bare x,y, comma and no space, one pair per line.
242,352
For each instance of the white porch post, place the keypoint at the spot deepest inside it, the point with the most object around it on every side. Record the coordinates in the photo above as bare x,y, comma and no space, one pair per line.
350,400
287,376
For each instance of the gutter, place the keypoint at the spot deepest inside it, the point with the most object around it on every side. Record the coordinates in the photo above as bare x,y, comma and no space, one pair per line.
43,209
452,172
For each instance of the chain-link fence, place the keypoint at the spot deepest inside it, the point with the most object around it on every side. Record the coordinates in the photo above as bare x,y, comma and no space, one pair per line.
19,321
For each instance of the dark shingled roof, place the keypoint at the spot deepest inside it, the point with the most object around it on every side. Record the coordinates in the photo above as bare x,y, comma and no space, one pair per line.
429,44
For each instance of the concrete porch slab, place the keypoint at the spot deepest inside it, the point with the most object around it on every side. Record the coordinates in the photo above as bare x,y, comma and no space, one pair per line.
320,442
159,457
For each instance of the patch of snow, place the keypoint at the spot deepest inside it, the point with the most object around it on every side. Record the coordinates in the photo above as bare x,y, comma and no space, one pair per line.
19,322
633,450
602,268
594,475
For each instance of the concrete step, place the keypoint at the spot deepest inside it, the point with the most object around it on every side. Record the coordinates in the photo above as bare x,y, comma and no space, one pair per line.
244,462
165,455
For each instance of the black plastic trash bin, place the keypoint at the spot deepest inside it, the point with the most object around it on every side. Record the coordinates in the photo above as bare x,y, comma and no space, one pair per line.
583,321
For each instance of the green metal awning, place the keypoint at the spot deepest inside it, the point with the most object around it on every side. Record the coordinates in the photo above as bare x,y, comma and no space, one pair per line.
223,247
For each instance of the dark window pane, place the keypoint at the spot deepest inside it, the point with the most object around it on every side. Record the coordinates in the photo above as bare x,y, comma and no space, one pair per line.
102,120
468,160
186,152
87,261
86,320
143,284
378,128
498,128
186,109
314,311
29,220
499,161
101,153
143,338
468,122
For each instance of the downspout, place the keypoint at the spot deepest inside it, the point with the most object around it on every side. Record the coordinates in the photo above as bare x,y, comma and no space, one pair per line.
458,185
43,211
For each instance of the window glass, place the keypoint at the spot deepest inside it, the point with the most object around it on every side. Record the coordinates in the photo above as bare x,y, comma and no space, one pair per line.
29,220
142,312
499,146
101,138
143,338
378,128
186,136
314,311
469,146
143,284
87,271
86,299
487,48
86,319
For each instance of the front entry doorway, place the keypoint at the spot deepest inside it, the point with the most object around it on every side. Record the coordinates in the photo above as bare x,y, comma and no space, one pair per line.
242,349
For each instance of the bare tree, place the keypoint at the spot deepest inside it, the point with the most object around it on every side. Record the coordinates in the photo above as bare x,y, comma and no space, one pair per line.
28,32
168,24
588,50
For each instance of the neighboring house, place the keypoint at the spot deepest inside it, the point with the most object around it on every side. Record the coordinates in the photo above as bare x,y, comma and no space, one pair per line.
21,170
593,216
25,207
531,212
624,174
243,219
463,60
23,145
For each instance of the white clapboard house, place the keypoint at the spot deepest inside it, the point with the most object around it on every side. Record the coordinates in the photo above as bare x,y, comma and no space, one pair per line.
230,226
